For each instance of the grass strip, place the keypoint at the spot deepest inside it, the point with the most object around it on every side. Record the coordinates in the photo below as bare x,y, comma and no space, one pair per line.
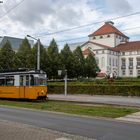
74,108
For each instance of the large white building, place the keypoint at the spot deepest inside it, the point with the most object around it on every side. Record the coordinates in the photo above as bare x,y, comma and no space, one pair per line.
113,51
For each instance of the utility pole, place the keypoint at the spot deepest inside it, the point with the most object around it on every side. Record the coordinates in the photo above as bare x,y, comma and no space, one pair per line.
65,82
38,54
38,51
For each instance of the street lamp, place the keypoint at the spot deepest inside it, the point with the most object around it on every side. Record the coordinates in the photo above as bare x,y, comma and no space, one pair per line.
38,51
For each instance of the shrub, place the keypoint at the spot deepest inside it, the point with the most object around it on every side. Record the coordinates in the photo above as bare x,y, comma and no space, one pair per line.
122,90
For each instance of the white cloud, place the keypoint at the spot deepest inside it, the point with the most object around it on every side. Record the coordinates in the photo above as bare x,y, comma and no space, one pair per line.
38,17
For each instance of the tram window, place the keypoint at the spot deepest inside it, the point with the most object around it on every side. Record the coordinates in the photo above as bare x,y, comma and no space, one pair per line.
10,81
31,80
2,81
21,80
27,80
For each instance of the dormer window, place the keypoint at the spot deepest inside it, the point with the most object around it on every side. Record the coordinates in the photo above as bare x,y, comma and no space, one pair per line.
108,35
101,36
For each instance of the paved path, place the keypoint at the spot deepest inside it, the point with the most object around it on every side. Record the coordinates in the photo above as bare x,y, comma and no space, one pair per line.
94,128
115,100
18,131
135,117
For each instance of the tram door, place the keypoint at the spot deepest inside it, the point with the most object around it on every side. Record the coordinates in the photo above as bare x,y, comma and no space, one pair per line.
22,86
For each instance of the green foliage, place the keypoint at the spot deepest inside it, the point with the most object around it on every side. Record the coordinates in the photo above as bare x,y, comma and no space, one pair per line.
43,56
79,62
90,66
7,57
67,59
75,108
24,56
119,90
53,61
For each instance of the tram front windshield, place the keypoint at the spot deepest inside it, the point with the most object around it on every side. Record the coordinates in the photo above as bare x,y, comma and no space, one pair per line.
40,79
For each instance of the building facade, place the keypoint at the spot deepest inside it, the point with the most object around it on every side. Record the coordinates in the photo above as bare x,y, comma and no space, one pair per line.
113,51
15,42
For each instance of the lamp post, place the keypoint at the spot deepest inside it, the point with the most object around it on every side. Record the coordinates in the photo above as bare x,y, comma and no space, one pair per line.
65,82
38,51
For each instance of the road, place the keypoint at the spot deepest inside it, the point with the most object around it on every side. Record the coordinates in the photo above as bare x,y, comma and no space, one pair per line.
100,129
99,99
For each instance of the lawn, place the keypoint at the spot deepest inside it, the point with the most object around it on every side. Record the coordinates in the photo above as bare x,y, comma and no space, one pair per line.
74,108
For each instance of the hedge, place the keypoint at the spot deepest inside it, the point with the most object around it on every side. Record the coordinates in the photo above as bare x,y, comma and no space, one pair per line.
122,90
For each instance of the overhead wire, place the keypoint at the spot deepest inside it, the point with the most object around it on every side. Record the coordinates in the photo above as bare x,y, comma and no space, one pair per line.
11,9
71,39
86,25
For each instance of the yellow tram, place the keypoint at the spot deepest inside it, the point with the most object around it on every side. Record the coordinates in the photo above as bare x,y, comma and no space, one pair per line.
23,84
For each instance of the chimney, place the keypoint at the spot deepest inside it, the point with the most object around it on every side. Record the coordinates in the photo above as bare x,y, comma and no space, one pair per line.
109,22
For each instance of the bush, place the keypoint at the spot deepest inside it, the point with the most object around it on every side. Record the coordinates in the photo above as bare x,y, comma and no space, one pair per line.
121,90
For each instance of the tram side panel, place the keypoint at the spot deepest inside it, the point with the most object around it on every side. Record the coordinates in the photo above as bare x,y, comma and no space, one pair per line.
9,92
35,92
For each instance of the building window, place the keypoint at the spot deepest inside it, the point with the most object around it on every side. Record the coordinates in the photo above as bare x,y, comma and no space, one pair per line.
96,52
97,60
113,62
108,35
138,62
138,72
116,62
123,53
101,36
123,72
110,61
103,62
130,72
138,52
94,37
131,62
116,36
123,63
119,37
103,51
130,53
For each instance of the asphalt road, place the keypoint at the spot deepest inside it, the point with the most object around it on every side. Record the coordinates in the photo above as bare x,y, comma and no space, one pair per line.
99,129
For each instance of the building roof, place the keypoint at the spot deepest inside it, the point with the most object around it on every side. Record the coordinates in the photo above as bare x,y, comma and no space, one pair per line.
128,46
101,45
87,51
107,28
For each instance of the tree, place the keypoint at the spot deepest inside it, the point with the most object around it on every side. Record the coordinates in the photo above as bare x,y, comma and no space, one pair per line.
43,56
79,62
52,60
24,56
67,60
91,67
7,57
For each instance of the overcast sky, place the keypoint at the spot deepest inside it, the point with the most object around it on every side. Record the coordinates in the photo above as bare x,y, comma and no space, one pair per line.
40,17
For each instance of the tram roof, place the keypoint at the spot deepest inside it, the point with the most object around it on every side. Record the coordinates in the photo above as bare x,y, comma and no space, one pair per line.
20,72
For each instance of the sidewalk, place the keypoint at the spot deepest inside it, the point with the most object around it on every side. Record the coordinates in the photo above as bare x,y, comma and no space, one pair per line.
98,99
18,131
134,117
